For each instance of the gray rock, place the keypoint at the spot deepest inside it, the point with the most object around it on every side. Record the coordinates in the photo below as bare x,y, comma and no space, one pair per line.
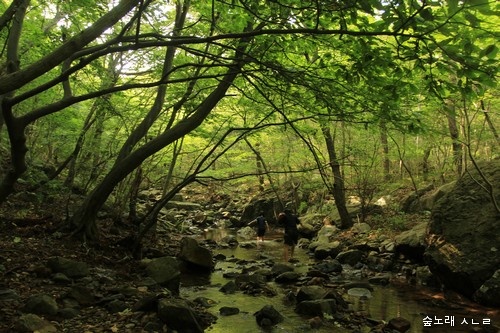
165,271
287,277
61,278
464,233
68,267
229,288
428,199
415,201
32,323
317,307
387,246
8,294
380,263
425,277
326,232
178,315
247,233
83,295
361,228
489,293
41,304
327,249
412,242
148,303
255,278
68,313
309,293
204,302
280,268
193,253
268,316
328,266
399,324
116,306
307,230
350,257
228,311
264,202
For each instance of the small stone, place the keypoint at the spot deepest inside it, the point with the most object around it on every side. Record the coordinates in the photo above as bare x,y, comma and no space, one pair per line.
228,311
399,324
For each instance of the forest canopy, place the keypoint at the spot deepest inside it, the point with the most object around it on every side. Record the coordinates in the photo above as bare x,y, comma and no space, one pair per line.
105,98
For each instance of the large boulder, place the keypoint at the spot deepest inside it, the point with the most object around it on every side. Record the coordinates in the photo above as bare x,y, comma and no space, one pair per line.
268,316
414,203
178,315
489,293
70,268
464,233
412,242
429,199
265,203
192,253
327,249
165,271
41,304
350,257
33,323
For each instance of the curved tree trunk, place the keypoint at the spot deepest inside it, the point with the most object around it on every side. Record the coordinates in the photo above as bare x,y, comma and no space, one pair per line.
142,129
85,218
15,79
15,126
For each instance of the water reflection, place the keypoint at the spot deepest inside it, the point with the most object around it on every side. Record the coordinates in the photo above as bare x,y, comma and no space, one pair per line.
383,303
216,235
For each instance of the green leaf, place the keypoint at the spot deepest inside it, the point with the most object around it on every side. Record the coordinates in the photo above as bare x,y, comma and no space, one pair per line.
452,6
482,5
17,240
427,14
472,19
490,51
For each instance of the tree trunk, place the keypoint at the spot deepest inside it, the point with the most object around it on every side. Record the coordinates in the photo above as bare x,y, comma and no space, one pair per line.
18,79
175,155
142,129
338,189
456,145
489,122
15,127
385,148
260,165
15,79
84,220
425,163
134,194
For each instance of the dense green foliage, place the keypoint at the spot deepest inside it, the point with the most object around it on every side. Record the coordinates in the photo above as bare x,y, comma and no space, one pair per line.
407,89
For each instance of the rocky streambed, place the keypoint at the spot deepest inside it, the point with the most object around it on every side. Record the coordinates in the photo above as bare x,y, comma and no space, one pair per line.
250,280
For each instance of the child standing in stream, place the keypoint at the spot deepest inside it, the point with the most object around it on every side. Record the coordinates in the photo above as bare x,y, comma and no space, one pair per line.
262,226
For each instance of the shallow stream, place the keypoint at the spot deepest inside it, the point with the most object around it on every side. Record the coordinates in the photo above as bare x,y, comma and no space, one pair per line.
386,302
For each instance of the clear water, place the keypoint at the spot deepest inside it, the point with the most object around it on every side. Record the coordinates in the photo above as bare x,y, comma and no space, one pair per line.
412,303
